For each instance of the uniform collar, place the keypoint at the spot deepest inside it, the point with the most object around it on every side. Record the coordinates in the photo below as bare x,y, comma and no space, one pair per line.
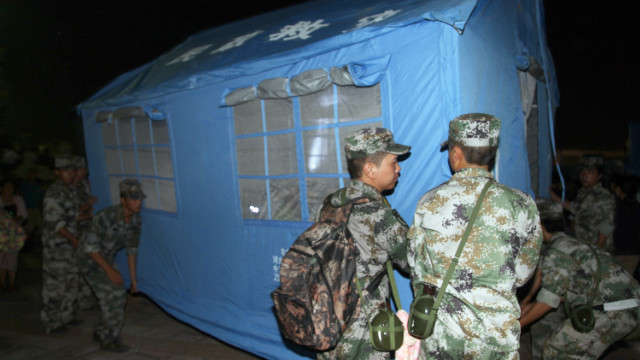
596,187
356,189
120,212
66,186
472,172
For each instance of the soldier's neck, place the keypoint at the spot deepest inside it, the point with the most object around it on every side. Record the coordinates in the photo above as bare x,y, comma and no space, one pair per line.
127,214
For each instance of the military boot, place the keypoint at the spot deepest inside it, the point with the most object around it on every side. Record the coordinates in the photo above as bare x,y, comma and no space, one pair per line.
115,345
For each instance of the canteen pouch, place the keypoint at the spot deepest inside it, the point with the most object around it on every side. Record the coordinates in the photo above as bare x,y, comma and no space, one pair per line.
422,316
386,332
582,318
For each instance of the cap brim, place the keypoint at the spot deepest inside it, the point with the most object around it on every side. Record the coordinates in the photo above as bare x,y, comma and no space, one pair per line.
587,166
398,149
444,145
140,196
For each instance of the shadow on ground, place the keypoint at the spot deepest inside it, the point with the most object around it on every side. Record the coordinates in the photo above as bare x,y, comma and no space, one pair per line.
149,331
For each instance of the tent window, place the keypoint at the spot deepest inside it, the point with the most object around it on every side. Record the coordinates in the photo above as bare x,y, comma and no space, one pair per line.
290,151
137,147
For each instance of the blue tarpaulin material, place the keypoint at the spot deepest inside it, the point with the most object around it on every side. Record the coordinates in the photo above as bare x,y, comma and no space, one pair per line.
202,260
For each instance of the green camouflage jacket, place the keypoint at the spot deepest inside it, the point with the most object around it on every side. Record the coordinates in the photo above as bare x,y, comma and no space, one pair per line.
568,267
59,209
83,192
109,233
379,234
501,253
593,211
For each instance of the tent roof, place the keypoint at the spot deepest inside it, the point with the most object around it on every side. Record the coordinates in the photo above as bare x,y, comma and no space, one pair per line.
234,49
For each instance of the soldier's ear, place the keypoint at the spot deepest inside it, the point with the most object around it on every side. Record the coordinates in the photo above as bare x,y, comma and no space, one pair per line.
369,169
455,157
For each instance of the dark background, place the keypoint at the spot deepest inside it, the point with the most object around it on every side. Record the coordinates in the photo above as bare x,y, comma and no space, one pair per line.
56,54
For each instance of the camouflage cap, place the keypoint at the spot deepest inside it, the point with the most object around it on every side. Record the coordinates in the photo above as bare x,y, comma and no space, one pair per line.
369,141
64,163
474,130
591,162
79,161
549,209
131,189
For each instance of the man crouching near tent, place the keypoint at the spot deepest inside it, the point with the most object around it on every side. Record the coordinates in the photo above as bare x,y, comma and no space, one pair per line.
113,228
379,233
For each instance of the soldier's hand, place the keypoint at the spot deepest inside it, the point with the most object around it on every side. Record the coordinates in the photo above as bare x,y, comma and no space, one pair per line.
134,288
115,277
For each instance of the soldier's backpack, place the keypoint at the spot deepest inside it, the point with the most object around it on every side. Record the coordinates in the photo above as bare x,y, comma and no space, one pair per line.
318,294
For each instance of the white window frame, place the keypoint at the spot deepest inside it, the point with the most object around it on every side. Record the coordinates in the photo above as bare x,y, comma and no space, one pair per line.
134,147
301,176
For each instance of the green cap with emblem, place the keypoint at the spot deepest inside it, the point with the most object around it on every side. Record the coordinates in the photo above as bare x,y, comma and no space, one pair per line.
79,161
369,141
64,162
591,162
131,189
473,130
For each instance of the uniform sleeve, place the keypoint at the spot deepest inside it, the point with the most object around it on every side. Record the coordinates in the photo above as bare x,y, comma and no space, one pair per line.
417,258
529,254
53,211
382,232
396,232
134,240
91,240
556,270
549,298
604,218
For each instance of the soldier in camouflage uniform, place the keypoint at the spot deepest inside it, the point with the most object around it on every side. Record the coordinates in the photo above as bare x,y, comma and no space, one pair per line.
83,191
541,329
85,201
112,229
478,316
59,270
379,233
569,269
594,207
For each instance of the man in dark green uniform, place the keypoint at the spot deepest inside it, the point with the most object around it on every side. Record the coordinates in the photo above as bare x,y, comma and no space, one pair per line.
113,228
379,233
59,241
577,272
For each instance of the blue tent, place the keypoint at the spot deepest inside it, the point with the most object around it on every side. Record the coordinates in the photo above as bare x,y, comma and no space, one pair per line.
237,135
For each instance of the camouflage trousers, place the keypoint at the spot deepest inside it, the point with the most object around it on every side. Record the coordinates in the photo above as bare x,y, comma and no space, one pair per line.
611,326
443,345
543,328
86,298
355,344
112,299
60,278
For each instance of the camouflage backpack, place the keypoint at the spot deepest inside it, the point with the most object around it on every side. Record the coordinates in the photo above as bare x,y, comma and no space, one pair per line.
318,294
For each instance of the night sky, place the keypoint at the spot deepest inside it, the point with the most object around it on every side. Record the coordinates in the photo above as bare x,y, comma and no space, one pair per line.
56,54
